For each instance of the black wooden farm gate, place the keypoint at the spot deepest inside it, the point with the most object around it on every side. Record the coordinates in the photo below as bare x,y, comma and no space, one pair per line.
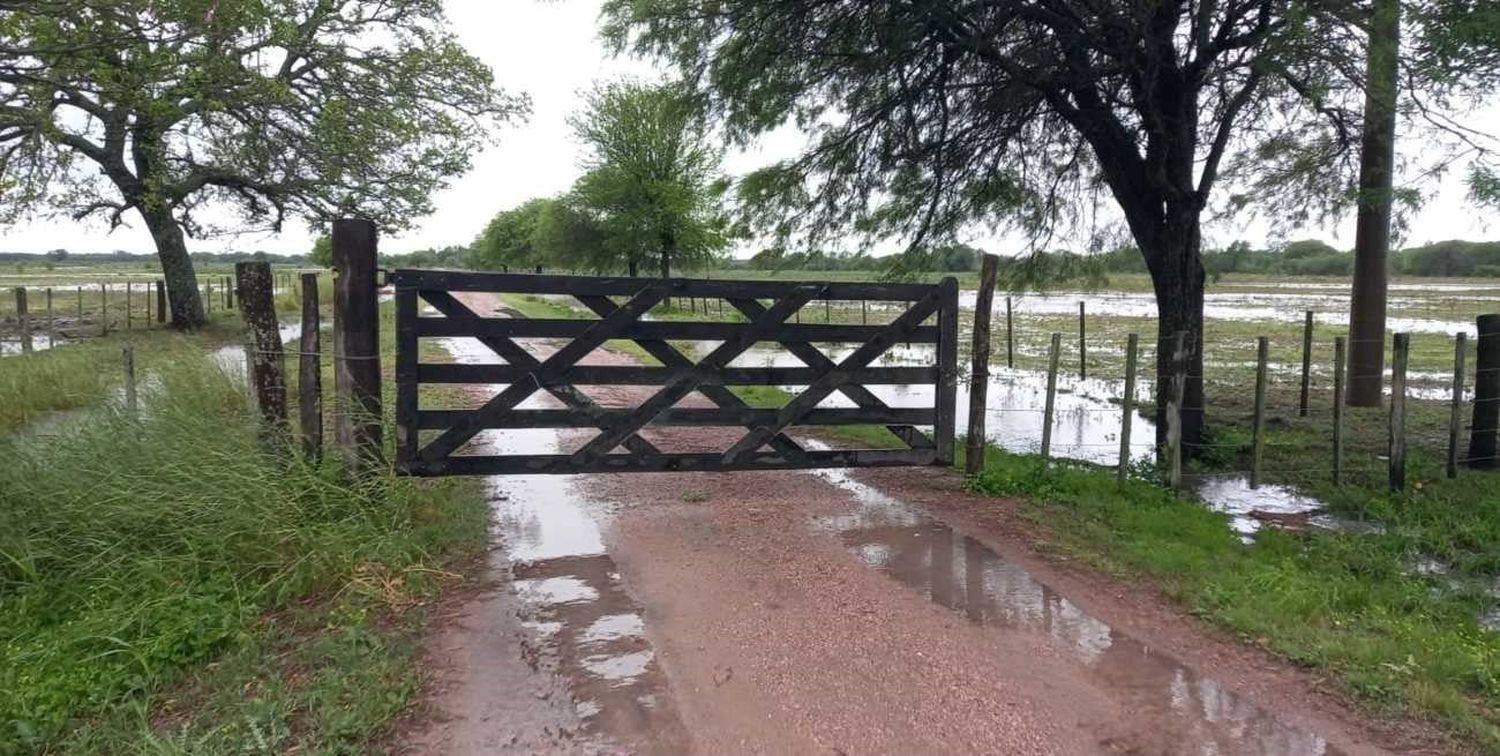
441,441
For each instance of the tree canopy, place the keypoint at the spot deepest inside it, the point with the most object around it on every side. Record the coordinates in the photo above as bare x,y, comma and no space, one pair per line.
928,119
268,109
652,175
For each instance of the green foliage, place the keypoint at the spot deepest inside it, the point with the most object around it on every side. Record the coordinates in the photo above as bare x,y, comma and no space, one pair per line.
134,550
322,252
508,240
1448,258
653,177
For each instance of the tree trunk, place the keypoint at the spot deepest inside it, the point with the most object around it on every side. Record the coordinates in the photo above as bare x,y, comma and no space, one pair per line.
1177,276
176,268
635,267
668,250
1372,235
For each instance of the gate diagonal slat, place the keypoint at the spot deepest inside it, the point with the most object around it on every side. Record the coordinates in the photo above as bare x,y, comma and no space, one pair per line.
670,357
814,393
514,354
680,387
454,438
861,396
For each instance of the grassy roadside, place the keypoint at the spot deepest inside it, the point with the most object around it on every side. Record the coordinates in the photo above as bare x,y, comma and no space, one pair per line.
1348,605
168,588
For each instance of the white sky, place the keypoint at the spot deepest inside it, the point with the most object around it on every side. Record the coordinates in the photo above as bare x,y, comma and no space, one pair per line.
549,49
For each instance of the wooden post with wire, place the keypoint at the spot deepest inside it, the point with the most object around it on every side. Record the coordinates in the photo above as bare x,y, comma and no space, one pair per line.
1485,426
1396,438
1340,353
161,301
1257,453
132,403
1456,405
1083,347
980,374
1051,405
51,322
1307,340
266,360
23,319
356,345
1127,407
1010,337
129,311
310,372
103,310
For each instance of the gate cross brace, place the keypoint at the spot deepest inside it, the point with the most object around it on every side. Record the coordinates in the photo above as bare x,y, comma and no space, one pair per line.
550,370
830,381
514,354
861,396
679,387
670,357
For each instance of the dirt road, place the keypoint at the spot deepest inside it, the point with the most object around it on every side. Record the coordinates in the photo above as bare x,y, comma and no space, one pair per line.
824,612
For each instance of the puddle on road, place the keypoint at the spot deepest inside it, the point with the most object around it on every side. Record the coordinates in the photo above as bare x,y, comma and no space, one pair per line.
587,628
1183,710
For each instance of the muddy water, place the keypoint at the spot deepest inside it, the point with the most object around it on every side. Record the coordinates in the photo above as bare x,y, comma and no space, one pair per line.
586,629
1188,712
232,358
39,343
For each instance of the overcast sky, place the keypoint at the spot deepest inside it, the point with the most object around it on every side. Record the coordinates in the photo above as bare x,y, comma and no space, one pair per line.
549,49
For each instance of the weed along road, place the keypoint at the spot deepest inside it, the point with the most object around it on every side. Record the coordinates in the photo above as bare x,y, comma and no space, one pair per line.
827,611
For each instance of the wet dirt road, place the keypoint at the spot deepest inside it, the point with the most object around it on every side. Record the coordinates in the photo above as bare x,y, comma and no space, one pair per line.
824,612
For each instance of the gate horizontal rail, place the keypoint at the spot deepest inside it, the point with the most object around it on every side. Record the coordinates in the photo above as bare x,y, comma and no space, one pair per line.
927,314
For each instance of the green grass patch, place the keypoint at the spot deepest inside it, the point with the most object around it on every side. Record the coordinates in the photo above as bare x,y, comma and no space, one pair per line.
168,587
1348,605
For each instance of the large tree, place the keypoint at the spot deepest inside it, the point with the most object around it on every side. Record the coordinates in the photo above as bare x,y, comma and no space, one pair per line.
652,174
202,116
930,117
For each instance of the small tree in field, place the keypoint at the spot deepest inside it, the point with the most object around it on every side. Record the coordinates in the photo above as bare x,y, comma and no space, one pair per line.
264,109
652,175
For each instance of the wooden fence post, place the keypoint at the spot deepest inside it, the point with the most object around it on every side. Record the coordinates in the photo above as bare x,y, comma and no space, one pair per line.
23,319
129,312
1396,439
356,345
79,292
1127,405
1307,340
132,402
1456,409
51,322
103,310
1174,409
266,360
1340,345
228,293
1258,442
310,371
1010,337
1083,347
979,382
1485,427
1051,405
161,301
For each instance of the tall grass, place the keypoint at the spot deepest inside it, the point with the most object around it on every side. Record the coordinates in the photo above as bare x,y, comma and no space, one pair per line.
134,549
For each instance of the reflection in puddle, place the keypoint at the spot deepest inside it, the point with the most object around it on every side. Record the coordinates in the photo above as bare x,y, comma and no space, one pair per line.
1251,509
587,628
1191,713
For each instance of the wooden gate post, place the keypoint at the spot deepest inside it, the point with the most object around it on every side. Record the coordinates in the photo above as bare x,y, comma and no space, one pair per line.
1396,439
979,382
1486,422
310,371
265,359
356,345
